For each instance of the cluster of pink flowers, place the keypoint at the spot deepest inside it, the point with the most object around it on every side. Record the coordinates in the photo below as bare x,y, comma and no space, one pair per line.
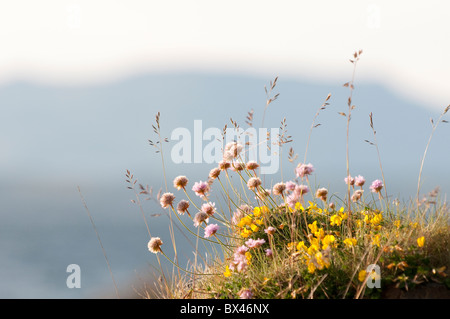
295,193
239,262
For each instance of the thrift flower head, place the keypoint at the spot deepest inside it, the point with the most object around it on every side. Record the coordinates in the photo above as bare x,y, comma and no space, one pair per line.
214,173
211,229
359,181
154,245
376,186
290,186
303,170
245,294
232,151
180,182
270,230
253,182
252,165
166,200
251,243
201,188
237,166
269,252
209,208
182,207
278,188
224,165
301,190
349,180
357,195
200,217
322,194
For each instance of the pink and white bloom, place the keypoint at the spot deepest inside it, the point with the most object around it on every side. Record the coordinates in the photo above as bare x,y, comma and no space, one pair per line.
290,185
359,181
303,170
270,230
201,188
245,294
349,180
211,229
232,151
376,186
252,243
209,208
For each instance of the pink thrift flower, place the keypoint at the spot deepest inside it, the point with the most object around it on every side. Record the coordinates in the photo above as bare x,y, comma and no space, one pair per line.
376,186
201,188
251,243
292,200
301,190
270,230
359,180
290,186
303,170
269,252
209,208
245,294
211,229
349,180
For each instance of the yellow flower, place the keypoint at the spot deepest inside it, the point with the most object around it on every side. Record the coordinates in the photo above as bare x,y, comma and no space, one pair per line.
254,227
257,211
376,240
313,227
319,233
248,255
298,206
311,268
341,210
246,220
291,245
397,224
349,242
321,260
335,220
327,241
377,219
227,272
259,221
301,246
313,249
362,275
343,216
245,233
421,241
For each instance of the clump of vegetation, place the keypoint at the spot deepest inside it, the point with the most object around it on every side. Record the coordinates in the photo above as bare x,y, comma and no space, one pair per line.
288,240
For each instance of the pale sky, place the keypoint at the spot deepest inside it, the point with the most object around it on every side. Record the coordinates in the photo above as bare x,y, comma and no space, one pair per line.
406,43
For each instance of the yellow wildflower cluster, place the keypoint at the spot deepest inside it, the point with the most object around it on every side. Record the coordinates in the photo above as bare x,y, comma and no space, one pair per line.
317,255
252,222
337,219
372,219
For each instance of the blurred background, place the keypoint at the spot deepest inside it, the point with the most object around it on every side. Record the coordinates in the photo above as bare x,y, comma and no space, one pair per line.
82,81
